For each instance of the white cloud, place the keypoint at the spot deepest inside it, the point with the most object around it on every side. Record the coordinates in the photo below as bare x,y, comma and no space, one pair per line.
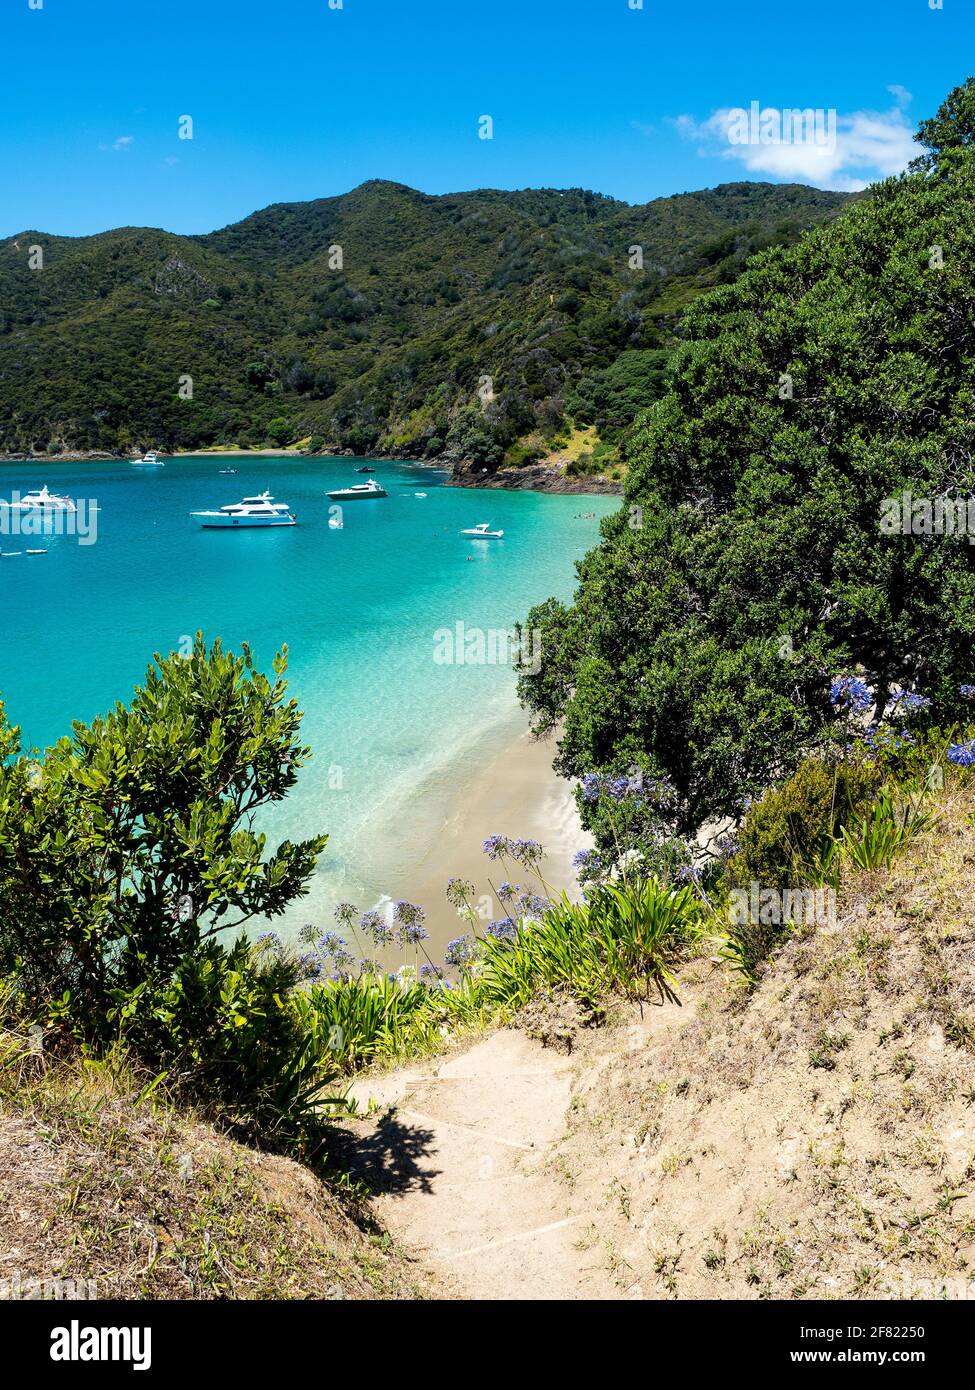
867,145
123,142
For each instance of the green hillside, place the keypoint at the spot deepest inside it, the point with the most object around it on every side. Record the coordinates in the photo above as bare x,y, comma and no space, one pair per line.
533,289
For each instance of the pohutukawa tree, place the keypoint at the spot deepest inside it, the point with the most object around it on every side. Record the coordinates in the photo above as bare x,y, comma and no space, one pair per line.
749,567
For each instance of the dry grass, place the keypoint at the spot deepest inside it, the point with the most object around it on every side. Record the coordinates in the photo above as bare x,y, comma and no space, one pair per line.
98,1182
817,1137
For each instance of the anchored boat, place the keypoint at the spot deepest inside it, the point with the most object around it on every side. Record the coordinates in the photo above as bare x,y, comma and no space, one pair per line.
252,511
482,533
358,491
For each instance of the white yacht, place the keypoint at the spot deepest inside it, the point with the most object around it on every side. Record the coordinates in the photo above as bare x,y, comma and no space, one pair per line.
252,511
352,494
40,500
481,532
151,460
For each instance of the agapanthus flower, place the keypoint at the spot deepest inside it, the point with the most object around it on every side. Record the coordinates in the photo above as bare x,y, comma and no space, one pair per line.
461,951
636,786
962,754
431,972
527,853
727,845
881,738
508,890
967,691
586,859
311,966
269,940
496,846
529,904
409,920
375,926
907,701
345,915
502,930
459,890
331,944
852,694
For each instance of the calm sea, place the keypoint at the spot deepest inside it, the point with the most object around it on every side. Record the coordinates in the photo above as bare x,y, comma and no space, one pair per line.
360,609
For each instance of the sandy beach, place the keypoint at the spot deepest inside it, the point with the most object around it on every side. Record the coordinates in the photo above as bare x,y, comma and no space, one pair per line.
515,793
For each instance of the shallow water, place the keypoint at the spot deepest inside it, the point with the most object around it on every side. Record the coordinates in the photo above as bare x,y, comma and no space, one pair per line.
392,727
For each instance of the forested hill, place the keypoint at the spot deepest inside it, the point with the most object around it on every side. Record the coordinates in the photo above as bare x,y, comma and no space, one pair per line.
539,290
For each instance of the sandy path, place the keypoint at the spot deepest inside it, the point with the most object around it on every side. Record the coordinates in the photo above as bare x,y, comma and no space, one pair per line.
476,1199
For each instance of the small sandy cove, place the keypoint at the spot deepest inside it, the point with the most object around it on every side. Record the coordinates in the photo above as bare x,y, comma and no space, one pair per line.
518,794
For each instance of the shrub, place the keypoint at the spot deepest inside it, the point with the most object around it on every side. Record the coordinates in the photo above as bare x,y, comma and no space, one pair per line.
126,851
787,832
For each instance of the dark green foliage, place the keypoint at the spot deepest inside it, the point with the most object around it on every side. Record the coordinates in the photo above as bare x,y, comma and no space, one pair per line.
530,288
748,566
786,832
611,399
951,128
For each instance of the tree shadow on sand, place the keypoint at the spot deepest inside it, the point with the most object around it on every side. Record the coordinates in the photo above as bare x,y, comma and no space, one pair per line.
389,1159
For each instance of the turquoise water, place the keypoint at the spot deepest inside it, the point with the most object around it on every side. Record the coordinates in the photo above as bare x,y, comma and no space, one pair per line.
392,729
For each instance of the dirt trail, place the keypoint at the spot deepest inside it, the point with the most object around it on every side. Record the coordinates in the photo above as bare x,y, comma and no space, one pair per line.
462,1154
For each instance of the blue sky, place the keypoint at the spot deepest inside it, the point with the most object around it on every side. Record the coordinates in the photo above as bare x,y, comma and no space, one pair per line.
293,100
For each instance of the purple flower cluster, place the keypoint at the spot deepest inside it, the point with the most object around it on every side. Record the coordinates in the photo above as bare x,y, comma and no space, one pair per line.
530,904
967,691
409,921
851,694
377,929
586,861
907,702
459,891
502,930
527,853
881,738
311,966
636,786
461,951
962,754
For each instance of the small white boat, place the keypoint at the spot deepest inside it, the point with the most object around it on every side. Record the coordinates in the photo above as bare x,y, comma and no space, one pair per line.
252,511
419,494
40,500
151,460
228,472
358,491
481,532
37,552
